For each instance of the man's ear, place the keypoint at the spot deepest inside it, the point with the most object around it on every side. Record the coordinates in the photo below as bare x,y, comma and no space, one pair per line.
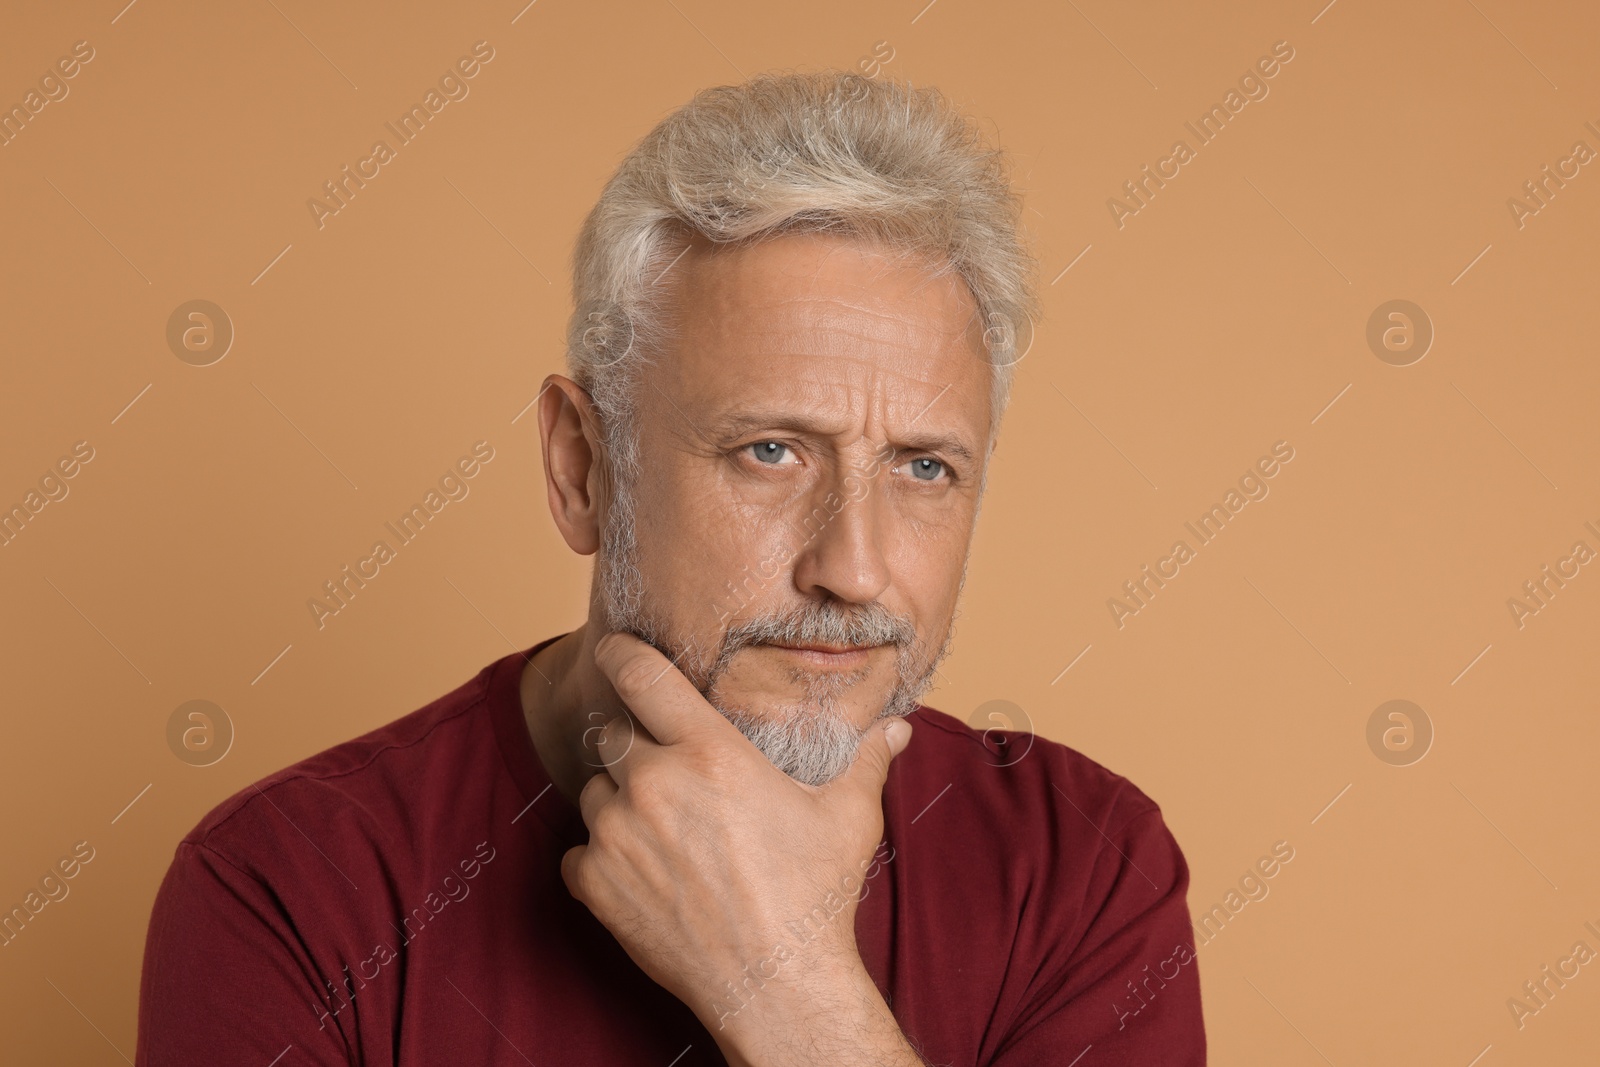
574,476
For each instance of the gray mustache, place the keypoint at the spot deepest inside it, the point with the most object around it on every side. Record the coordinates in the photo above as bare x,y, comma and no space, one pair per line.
870,625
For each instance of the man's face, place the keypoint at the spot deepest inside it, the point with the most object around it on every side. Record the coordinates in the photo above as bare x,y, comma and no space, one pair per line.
810,450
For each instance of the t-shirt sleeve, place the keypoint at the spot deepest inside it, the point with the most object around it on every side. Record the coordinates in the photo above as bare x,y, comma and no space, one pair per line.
226,977
1124,980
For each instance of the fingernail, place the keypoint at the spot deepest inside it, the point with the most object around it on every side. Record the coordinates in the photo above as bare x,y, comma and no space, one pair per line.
898,733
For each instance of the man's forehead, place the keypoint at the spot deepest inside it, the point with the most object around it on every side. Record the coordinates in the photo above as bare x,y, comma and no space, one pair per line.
801,325
826,321
828,385
785,290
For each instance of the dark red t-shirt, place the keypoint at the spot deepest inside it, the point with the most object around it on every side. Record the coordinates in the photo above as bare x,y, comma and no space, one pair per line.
398,900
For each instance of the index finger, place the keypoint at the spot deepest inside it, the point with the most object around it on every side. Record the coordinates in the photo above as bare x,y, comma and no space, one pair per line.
668,705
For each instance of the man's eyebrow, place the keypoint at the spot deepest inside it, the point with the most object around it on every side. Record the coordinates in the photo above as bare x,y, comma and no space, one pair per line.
736,424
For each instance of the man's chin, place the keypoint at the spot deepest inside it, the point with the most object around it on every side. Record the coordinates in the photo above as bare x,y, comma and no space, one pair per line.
799,709
809,745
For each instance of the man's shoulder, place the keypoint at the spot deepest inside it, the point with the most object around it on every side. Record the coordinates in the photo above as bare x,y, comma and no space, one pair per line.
1007,768
377,776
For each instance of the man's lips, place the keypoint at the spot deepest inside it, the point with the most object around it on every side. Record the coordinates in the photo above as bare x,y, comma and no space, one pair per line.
821,654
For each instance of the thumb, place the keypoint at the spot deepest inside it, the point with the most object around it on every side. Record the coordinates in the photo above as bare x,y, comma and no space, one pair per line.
879,746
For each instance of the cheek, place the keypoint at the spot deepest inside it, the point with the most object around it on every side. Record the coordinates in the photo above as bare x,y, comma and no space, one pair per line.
706,553
928,540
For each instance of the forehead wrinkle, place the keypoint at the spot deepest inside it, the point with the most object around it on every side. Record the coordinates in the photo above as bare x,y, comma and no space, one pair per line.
805,325
865,390
746,309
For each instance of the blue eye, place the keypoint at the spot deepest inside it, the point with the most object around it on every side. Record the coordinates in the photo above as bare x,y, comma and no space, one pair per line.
769,451
926,469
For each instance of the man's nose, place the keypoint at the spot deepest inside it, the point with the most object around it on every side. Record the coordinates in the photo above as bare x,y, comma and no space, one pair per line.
842,553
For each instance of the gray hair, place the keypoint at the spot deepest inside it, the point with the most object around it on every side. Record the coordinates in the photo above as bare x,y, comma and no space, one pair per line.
783,153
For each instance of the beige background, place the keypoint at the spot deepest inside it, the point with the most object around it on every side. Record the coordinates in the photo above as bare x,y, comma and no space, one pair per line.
1225,316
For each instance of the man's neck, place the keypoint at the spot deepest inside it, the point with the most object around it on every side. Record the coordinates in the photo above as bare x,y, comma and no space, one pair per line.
563,696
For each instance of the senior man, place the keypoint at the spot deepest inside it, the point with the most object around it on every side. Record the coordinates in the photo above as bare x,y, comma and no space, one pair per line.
714,824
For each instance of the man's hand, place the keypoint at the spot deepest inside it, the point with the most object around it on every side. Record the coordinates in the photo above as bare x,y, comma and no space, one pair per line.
730,884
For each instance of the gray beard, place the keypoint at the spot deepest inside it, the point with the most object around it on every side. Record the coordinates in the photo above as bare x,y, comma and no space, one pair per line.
812,740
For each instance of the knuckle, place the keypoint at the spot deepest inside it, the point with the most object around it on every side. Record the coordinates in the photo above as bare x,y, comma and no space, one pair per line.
603,827
595,783
574,873
649,791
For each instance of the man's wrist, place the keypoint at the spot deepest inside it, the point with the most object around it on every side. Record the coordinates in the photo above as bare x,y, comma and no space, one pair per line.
810,1011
